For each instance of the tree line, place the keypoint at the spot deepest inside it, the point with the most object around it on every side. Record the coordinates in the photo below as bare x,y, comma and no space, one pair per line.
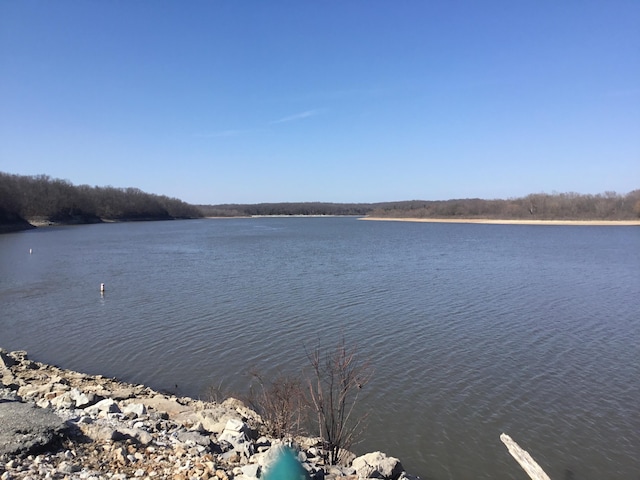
288,208
539,206
41,198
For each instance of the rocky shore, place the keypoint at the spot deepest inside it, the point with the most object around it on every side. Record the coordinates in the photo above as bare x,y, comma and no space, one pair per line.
61,424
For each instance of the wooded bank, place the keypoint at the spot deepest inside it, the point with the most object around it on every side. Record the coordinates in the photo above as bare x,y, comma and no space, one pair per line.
27,200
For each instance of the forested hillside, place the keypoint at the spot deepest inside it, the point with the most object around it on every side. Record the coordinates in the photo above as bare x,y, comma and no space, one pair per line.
42,199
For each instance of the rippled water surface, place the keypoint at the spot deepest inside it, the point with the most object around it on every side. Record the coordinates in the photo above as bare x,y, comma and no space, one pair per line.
473,330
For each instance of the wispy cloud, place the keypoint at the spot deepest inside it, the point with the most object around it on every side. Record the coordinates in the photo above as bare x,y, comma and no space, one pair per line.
239,132
297,116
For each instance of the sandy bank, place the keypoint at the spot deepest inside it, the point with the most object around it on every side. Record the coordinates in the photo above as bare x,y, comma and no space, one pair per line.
491,221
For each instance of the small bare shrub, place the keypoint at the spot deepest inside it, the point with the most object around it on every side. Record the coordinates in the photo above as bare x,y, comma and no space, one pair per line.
216,393
281,404
336,380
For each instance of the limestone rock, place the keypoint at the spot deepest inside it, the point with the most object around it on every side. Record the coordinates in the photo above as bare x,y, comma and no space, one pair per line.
194,437
136,409
106,406
215,419
161,403
30,391
83,400
62,401
378,465
236,432
99,433
251,470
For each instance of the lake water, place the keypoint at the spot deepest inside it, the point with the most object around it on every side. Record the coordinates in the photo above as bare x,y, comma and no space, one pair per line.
472,330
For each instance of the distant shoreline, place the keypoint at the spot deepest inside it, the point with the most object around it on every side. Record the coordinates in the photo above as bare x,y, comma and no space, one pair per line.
495,221
39,223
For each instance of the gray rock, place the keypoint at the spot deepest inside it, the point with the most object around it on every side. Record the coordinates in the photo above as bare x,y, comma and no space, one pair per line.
234,438
26,429
62,401
107,405
246,449
137,409
99,433
406,476
7,394
377,465
5,360
83,400
338,471
237,433
318,475
143,437
66,467
230,457
194,437
262,444
138,434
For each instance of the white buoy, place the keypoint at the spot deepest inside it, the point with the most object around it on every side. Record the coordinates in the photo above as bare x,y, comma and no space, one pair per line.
30,251
102,288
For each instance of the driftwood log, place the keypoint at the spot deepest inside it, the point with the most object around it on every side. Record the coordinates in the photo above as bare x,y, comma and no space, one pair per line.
529,465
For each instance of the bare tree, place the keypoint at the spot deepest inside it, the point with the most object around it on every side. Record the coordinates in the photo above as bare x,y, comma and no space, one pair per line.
335,384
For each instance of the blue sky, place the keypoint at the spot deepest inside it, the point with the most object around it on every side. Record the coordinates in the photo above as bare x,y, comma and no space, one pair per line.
341,101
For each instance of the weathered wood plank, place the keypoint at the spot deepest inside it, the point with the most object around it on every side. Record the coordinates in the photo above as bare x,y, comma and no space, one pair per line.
524,459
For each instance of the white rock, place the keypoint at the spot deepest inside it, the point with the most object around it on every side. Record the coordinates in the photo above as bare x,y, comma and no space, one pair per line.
235,425
81,399
251,470
236,432
62,401
138,409
377,464
43,403
107,406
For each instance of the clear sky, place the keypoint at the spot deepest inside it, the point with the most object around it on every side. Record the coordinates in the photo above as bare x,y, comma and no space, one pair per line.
341,101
